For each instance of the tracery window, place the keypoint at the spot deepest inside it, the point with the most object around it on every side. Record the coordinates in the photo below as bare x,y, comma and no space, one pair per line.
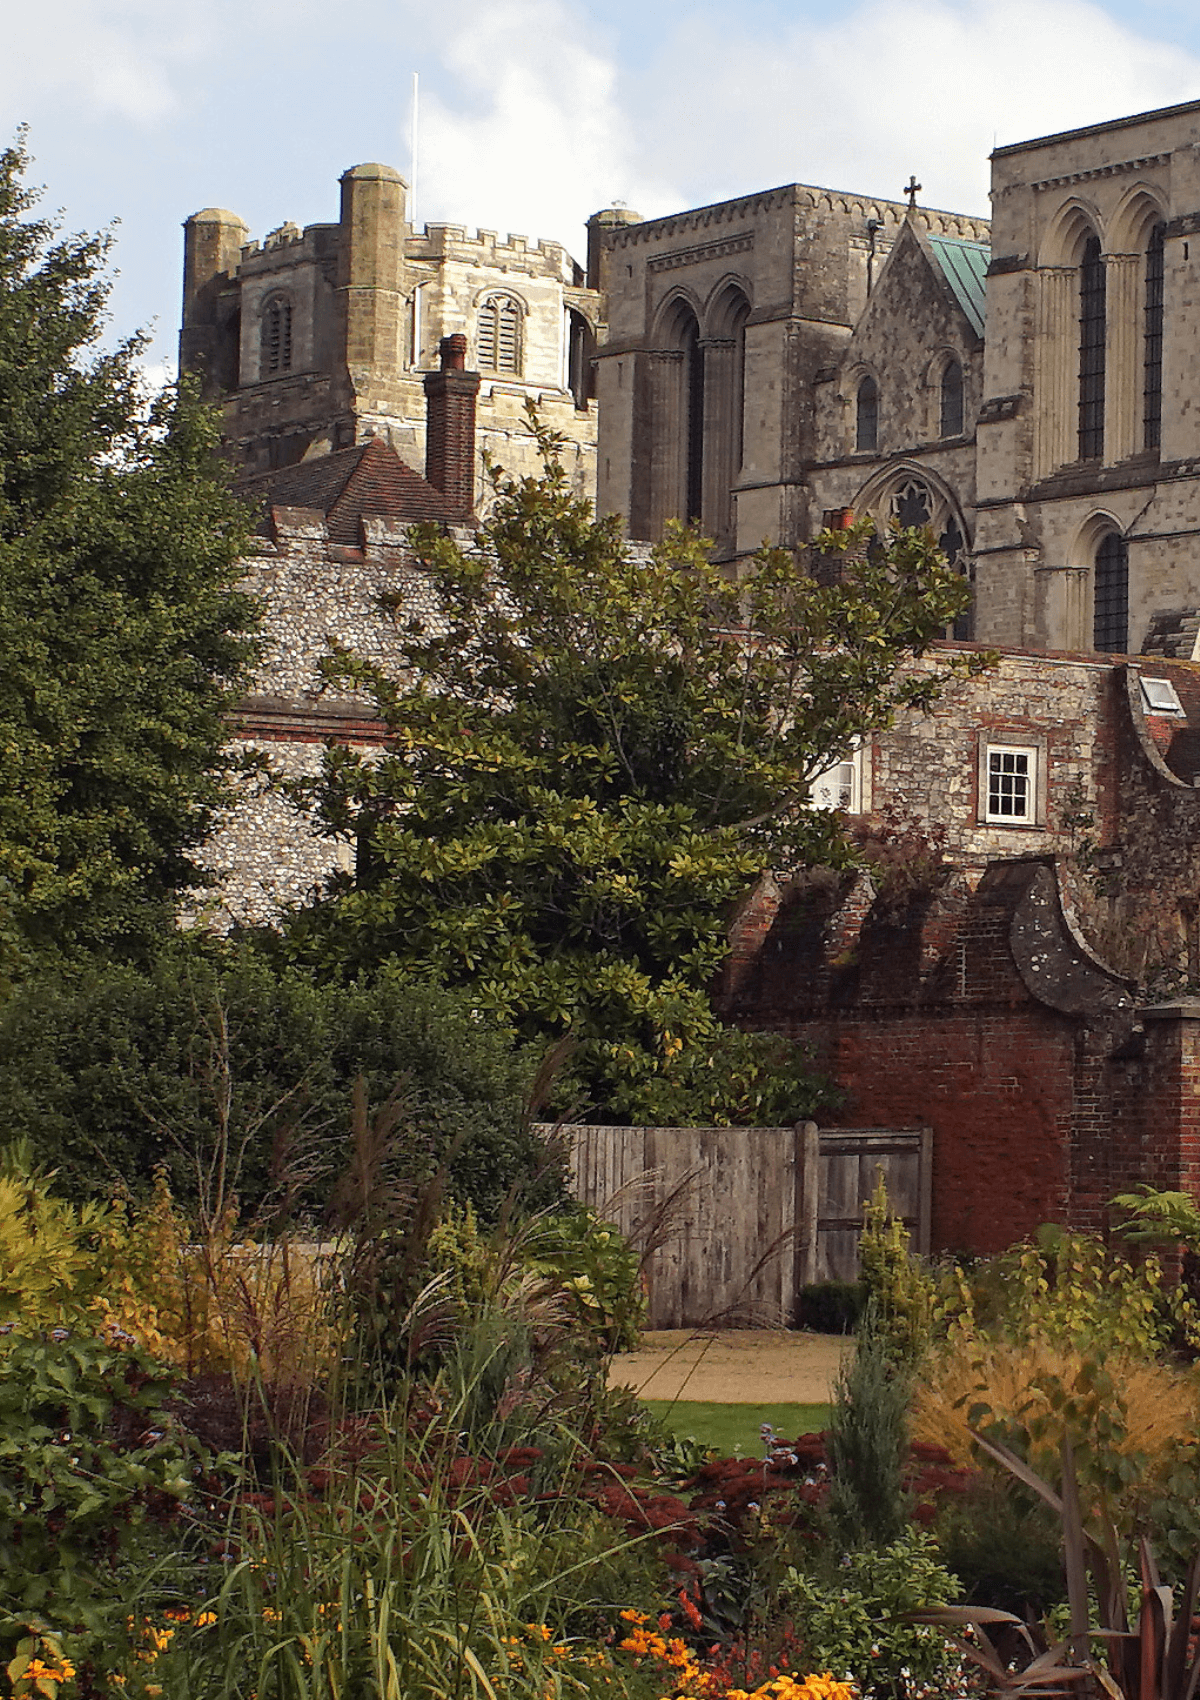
1152,344
953,545
498,336
951,422
914,503
275,345
1091,352
866,424
1110,588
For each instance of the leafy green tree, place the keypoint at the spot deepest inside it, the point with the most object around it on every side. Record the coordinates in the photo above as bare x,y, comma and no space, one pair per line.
593,753
123,637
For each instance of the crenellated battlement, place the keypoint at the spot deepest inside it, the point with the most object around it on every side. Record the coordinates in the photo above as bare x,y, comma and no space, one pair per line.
484,247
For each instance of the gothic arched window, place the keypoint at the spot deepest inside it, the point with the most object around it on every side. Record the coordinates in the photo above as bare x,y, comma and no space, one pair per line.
498,338
1091,352
866,421
1110,587
912,501
951,420
693,421
1152,343
275,345
581,348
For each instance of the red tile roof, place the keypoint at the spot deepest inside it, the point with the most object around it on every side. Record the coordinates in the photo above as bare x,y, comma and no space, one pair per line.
369,480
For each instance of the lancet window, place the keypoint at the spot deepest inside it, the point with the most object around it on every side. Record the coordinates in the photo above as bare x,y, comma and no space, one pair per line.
1110,586
1152,343
866,423
951,421
1092,318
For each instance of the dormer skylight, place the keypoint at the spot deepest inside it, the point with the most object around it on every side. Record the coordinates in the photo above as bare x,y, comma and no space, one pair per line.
1159,697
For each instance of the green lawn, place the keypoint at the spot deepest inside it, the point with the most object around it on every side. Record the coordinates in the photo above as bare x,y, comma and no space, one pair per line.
734,1429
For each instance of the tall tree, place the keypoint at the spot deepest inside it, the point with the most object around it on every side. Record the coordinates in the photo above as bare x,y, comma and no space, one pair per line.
123,636
592,754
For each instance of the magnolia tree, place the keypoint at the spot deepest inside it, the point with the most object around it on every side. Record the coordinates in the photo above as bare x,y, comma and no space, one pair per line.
592,753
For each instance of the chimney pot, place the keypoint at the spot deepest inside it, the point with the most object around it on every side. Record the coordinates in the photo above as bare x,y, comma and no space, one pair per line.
453,352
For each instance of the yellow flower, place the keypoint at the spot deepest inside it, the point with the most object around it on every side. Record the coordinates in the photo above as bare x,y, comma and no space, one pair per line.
205,1618
37,1670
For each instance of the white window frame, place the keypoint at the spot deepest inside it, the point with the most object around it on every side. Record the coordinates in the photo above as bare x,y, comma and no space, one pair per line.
1032,750
839,786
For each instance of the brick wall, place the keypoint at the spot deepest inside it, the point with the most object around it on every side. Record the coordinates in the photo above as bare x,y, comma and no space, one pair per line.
975,1009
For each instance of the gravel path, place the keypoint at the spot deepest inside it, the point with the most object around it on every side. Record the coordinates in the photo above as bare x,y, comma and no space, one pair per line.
739,1367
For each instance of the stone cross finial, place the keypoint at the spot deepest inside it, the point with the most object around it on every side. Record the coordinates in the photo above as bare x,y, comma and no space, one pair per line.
912,189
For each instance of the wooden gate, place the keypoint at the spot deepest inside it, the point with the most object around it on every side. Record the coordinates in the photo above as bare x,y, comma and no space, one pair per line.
846,1163
735,1221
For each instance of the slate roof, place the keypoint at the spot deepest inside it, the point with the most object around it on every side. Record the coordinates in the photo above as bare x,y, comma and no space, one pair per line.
369,479
1173,633
965,267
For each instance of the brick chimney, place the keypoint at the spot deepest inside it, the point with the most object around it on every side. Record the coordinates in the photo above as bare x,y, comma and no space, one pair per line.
450,425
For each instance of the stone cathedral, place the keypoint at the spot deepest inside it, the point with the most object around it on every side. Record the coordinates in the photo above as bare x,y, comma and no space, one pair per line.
1031,390
769,365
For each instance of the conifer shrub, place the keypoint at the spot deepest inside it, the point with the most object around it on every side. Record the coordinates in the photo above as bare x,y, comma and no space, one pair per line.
868,1441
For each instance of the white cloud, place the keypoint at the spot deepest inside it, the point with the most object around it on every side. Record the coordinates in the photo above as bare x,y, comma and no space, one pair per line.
893,87
534,137
535,124
102,58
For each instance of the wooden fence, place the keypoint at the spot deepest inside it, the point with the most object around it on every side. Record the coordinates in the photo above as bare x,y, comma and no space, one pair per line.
735,1221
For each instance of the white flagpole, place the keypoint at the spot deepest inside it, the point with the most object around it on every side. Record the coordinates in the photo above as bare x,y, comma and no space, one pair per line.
412,188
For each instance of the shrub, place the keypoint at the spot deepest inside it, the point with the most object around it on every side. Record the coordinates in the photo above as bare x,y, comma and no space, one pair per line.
1065,1288
1057,1340
868,1442
90,1466
1155,1403
851,1621
894,1281
234,1074
1004,1546
599,1271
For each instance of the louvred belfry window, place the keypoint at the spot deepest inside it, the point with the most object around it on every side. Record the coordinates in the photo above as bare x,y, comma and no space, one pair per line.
276,346
498,337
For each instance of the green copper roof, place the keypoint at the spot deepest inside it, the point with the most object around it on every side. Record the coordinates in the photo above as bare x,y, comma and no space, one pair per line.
965,265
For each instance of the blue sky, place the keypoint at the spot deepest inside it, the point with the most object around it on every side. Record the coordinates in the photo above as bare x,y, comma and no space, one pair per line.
534,113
